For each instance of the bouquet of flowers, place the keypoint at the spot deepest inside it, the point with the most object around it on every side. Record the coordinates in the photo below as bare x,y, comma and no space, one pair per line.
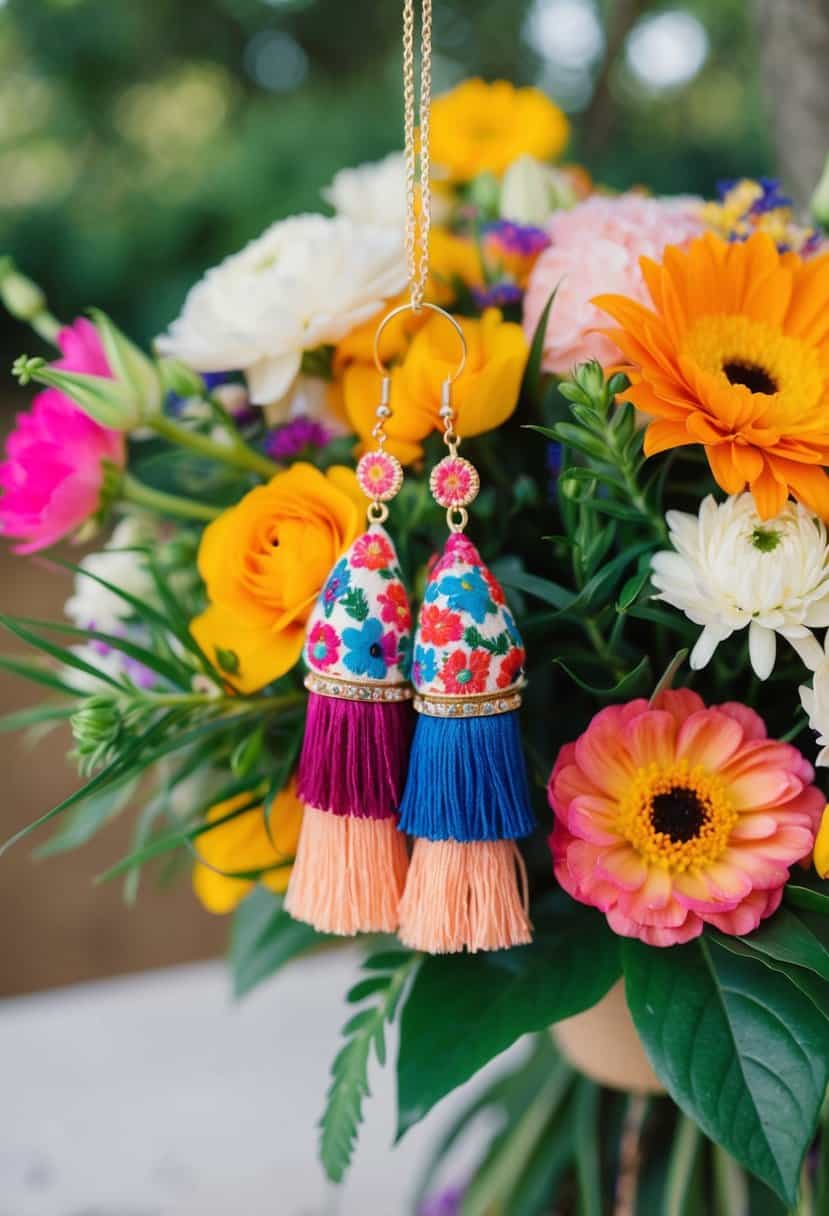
646,397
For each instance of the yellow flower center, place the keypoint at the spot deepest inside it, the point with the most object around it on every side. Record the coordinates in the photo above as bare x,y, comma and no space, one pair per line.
783,375
676,817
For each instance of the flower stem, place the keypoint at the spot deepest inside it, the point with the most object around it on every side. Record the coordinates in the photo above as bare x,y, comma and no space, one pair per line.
142,495
46,326
236,453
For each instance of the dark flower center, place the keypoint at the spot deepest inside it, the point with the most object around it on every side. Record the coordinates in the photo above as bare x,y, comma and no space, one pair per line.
375,650
679,813
756,379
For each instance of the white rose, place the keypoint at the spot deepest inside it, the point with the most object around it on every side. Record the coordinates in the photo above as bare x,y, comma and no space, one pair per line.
305,282
374,193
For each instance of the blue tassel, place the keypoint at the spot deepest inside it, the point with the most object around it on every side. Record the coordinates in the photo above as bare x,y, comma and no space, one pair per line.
467,780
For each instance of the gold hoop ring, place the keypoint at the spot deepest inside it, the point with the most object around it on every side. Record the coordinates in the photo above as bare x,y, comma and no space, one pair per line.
401,308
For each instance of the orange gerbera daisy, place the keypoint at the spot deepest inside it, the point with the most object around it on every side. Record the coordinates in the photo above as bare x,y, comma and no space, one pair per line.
735,355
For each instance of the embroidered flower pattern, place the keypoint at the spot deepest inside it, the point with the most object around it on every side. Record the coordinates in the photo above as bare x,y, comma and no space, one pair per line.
465,672
395,610
323,646
372,551
425,665
439,626
467,642
338,583
468,593
361,626
369,651
512,668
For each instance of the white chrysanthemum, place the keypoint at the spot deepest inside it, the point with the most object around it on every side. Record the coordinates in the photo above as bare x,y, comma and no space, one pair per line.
373,193
815,701
92,606
731,569
305,282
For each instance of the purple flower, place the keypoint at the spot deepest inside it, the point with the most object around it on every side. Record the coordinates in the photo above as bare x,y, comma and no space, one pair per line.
288,441
445,1203
522,240
497,295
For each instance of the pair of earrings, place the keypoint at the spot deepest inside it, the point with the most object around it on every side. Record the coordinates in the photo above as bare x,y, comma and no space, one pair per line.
368,776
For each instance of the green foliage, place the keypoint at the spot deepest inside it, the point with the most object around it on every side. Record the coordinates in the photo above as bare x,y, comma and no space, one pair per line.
264,938
349,1073
504,995
740,1048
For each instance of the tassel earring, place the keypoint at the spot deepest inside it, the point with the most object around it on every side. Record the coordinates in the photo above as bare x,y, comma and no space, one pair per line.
351,861
467,798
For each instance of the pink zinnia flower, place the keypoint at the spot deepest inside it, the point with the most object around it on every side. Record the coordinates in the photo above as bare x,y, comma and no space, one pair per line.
597,244
53,474
677,816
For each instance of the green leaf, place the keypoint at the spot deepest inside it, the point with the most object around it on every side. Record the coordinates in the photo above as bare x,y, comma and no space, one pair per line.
59,653
171,671
494,1181
343,1112
503,995
628,686
598,589
740,1049
356,604
37,714
541,588
532,372
31,670
787,937
812,898
810,984
632,589
588,1156
81,822
263,938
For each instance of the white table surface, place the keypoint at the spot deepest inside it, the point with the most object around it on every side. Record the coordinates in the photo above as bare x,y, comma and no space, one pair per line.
157,1095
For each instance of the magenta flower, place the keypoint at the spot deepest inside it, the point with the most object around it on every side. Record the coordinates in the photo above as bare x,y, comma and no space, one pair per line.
52,477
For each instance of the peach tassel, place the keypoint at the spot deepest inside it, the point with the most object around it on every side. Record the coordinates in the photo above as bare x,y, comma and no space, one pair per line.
465,895
348,874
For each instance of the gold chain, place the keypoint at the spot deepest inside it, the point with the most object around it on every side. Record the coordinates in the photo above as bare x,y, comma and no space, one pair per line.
417,226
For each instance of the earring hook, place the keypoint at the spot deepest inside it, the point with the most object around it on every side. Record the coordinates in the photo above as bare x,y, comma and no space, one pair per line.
401,308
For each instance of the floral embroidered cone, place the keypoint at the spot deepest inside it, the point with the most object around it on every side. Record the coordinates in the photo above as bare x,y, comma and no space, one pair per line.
351,860
466,799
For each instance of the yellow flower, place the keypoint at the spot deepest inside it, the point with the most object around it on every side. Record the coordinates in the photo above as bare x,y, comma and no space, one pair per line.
821,853
484,396
264,563
452,259
483,128
243,844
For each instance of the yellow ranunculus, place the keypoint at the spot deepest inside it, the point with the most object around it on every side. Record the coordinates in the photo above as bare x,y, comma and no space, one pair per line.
820,857
484,396
243,844
483,128
264,563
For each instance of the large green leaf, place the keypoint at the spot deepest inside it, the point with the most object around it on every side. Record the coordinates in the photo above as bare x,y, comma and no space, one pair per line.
788,937
263,938
571,963
742,1050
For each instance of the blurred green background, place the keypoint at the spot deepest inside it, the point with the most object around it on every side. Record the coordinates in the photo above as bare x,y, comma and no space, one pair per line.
141,140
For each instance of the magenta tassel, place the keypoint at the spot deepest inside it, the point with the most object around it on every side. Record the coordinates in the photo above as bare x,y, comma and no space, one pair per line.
354,756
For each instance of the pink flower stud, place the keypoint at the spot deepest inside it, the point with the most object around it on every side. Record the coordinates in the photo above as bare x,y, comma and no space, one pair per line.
454,482
380,476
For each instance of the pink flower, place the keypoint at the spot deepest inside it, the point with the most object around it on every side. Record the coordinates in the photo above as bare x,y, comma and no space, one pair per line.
677,816
53,474
372,551
596,248
323,645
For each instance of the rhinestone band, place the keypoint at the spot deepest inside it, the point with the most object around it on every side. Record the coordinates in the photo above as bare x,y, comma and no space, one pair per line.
345,690
457,707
